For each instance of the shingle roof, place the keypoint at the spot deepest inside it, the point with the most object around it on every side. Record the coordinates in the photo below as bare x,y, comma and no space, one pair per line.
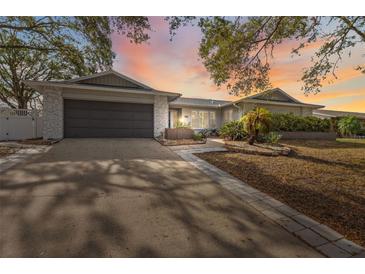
268,97
199,102
335,113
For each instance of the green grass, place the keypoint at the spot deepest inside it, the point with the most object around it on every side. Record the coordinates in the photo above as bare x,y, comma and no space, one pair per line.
348,140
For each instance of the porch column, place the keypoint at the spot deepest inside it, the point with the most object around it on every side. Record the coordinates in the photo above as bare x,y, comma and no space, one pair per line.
52,115
160,114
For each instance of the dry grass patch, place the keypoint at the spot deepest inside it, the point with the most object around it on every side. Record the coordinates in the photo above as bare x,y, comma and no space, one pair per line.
322,179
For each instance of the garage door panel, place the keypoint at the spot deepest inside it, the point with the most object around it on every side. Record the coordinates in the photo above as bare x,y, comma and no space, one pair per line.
107,115
94,123
108,106
107,119
108,133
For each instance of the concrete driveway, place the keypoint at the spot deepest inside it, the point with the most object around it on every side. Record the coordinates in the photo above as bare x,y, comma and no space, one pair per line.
128,198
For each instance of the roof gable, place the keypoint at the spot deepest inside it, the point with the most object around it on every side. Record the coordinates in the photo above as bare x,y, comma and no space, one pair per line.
276,95
110,78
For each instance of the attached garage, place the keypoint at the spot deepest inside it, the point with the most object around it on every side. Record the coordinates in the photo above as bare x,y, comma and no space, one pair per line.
103,105
94,119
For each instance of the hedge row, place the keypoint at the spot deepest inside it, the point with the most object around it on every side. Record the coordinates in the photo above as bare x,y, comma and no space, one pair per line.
291,122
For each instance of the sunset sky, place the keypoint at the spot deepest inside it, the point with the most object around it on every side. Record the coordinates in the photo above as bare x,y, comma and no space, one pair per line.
175,66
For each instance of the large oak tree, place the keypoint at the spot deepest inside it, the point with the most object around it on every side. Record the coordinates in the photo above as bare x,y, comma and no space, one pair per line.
238,51
45,48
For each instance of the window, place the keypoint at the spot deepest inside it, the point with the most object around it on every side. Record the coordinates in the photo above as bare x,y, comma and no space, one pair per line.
212,123
202,119
194,119
228,115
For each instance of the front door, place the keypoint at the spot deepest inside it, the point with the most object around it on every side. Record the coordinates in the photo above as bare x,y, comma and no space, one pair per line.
173,118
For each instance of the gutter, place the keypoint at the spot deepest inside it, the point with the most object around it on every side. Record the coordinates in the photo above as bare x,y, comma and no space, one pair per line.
43,85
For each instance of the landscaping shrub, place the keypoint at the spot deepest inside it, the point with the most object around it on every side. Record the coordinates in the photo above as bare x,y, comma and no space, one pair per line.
180,124
234,130
198,137
349,125
361,132
209,132
272,138
291,122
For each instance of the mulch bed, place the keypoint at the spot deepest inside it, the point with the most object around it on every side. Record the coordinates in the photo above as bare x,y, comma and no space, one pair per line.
322,179
257,149
38,142
180,142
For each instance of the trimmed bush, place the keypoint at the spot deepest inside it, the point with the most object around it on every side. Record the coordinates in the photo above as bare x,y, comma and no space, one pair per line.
198,137
234,130
291,122
272,137
208,132
180,124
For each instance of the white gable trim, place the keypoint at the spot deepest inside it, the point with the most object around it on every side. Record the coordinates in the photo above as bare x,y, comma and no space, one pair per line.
110,72
42,86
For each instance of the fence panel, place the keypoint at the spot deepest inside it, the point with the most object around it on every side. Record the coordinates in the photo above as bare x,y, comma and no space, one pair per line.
18,124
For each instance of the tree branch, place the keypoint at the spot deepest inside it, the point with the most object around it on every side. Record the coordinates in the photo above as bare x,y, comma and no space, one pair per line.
352,26
26,47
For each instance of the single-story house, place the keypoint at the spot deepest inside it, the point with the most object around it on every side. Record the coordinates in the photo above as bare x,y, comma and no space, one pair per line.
110,104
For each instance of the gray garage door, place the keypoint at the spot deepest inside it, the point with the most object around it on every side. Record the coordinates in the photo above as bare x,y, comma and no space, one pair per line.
83,119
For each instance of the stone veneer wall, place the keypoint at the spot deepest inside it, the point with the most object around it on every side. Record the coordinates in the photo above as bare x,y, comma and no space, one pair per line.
161,114
52,115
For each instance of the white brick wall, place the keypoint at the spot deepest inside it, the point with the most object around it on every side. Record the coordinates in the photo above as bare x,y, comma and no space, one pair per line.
52,115
161,114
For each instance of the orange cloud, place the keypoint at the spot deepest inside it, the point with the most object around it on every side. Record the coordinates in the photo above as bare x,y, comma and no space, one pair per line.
358,106
326,95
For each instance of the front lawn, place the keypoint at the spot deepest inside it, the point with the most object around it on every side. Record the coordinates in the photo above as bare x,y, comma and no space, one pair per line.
348,140
322,179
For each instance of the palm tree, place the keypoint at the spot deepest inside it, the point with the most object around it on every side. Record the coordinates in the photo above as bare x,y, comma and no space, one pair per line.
349,125
258,119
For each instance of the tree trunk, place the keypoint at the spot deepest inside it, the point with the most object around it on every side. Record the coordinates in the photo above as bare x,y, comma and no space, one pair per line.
251,140
22,104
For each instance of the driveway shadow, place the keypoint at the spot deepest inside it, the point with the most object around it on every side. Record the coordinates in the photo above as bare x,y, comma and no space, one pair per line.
74,202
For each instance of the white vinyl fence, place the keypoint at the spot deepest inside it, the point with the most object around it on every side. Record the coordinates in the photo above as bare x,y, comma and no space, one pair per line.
18,124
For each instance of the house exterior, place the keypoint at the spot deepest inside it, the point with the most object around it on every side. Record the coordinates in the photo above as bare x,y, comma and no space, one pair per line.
207,113
110,104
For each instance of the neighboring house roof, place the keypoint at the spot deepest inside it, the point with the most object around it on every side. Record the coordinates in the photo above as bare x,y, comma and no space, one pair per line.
274,96
198,102
335,113
105,81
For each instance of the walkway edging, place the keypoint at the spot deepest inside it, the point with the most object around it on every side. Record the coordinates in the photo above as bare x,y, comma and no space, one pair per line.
319,236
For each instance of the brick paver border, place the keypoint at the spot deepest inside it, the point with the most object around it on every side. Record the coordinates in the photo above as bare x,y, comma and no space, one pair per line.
319,236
